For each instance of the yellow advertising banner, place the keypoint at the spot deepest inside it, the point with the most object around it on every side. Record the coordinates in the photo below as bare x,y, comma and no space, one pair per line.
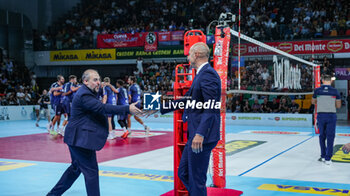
83,55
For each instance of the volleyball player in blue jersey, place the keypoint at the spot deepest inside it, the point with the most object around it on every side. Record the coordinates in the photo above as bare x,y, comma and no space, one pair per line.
135,96
67,97
54,87
109,97
57,103
122,99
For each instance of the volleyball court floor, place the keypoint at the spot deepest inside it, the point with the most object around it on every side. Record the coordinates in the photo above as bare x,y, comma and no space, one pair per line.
260,161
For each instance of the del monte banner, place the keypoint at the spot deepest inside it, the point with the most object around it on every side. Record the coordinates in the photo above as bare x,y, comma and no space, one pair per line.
298,47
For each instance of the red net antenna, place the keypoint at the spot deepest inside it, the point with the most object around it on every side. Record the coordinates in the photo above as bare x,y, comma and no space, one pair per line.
221,55
317,78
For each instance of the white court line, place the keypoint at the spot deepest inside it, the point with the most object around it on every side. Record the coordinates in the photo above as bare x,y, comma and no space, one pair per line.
275,132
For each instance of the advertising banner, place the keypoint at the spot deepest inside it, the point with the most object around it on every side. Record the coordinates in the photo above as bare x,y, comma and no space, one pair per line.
162,52
342,73
270,119
164,36
120,40
151,42
83,55
177,35
297,47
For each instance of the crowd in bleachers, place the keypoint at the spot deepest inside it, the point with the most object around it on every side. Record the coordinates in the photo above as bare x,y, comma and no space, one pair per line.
17,84
261,19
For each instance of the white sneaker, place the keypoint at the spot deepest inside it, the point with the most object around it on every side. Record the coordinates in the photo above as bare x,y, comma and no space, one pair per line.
328,162
147,130
61,131
323,160
48,127
114,134
111,135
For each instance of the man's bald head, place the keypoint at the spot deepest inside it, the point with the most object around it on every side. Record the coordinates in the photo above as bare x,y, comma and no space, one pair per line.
87,73
199,54
202,49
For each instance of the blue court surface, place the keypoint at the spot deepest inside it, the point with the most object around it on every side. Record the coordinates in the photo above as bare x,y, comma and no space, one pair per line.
259,161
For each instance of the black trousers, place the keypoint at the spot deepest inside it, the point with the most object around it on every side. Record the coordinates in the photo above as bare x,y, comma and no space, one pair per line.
83,161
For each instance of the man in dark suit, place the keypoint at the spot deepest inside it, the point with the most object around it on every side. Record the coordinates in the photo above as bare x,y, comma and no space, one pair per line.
87,132
203,124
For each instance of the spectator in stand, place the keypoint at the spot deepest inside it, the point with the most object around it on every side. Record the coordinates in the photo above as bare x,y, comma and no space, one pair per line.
275,106
294,107
256,107
265,106
27,97
12,100
236,107
284,106
21,97
139,64
246,107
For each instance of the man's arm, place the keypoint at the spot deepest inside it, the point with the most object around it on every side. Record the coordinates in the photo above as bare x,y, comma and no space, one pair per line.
56,93
113,88
338,103
313,101
104,99
90,103
55,89
74,88
39,100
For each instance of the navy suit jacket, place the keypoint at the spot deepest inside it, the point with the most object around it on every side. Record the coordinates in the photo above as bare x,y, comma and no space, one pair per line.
205,86
88,125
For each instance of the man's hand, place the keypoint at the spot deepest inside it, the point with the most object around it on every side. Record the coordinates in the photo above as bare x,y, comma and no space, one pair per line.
346,148
150,112
134,110
197,144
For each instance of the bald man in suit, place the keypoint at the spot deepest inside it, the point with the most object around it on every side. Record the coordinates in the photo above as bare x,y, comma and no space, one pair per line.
87,132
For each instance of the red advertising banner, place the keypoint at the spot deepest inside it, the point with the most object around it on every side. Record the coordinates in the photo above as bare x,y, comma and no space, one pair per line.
120,40
151,42
297,47
177,35
164,36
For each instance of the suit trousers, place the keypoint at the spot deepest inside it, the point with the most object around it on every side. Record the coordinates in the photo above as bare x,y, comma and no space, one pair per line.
83,161
326,124
193,168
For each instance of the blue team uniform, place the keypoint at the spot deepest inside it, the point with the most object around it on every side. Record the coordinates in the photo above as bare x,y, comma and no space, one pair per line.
111,97
135,93
52,97
67,100
58,102
100,94
122,100
326,97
